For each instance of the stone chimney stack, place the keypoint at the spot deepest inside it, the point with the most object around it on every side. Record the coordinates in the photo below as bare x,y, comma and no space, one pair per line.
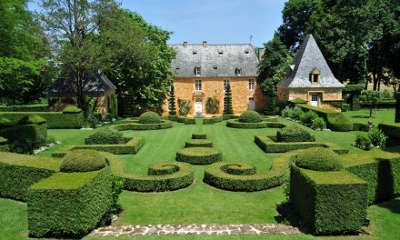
185,44
205,44
260,53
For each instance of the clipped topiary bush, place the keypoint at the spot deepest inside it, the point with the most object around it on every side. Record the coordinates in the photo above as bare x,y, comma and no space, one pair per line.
32,119
149,118
4,122
318,159
198,143
199,136
250,117
71,109
363,141
83,161
308,117
199,155
106,136
318,123
293,133
339,122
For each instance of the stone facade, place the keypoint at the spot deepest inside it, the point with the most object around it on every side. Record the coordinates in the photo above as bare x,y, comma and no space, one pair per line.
214,87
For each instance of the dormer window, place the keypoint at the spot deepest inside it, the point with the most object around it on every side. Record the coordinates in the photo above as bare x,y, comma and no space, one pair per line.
220,52
315,76
215,67
197,71
246,51
238,71
194,52
177,68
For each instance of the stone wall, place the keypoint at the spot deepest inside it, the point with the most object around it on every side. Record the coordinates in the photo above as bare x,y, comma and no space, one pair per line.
214,87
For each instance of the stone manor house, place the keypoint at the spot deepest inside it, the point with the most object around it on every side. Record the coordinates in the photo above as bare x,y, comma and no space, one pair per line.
204,70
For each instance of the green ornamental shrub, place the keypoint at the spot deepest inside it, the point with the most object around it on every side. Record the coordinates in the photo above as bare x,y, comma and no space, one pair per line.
297,112
318,123
377,137
363,141
4,122
71,109
250,117
318,159
83,161
199,155
339,122
106,136
149,118
308,117
32,119
293,133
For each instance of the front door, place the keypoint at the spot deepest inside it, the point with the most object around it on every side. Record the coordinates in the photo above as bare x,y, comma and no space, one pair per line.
314,100
198,108
251,104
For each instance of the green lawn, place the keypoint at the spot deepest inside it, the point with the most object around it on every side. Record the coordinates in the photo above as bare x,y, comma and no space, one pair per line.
378,116
201,203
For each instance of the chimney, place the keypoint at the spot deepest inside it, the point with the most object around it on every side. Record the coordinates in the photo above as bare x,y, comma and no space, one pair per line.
185,44
205,44
260,53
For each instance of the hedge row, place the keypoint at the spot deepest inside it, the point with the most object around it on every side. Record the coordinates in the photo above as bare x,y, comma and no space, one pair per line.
269,145
199,155
135,125
182,177
18,172
392,131
55,120
241,177
382,175
213,119
199,136
383,103
364,127
3,145
336,121
25,108
198,143
131,147
69,204
186,120
234,123
328,202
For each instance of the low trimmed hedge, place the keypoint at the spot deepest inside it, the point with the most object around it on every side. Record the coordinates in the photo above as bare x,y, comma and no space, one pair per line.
55,120
250,117
25,108
269,145
234,123
199,155
186,120
3,145
241,177
18,172
392,131
106,136
213,119
364,127
135,125
382,175
177,176
328,202
336,121
131,147
149,118
199,136
318,159
198,143
83,161
382,103
69,204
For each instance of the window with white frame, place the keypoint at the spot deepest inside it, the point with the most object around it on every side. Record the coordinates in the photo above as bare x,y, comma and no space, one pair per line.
197,70
251,84
238,71
226,83
197,85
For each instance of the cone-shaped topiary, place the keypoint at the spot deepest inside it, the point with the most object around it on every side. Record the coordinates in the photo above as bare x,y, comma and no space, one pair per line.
228,100
149,117
171,102
83,161
318,159
250,117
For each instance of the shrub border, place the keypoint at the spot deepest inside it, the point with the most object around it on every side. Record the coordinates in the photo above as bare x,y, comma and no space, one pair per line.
135,125
234,123
210,156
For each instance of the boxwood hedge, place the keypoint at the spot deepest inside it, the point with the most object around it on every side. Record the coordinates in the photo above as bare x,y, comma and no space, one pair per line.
161,176
131,147
213,119
199,136
293,133
18,172
234,123
69,204
242,177
106,136
198,143
328,202
199,155
3,144
25,108
186,120
135,125
392,131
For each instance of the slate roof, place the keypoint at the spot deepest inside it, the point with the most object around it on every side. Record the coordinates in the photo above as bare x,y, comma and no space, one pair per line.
215,60
309,56
95,85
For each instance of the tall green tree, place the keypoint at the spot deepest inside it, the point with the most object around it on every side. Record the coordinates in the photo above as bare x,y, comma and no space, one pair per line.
23,54
274,60
228,109
138,58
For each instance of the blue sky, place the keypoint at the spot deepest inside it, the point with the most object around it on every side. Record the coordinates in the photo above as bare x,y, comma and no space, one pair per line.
216,21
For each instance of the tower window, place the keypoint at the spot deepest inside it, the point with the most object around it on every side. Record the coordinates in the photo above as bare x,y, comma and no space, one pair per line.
197,71
197,85
251,84
315,76
238,71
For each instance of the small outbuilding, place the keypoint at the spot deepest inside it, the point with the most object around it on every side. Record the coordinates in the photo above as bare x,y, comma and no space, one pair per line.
310,79
96,85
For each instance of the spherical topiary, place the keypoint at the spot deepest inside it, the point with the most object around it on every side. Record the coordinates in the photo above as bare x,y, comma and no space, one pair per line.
318,159
149,118
293,133
83,161
106,136
250,117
